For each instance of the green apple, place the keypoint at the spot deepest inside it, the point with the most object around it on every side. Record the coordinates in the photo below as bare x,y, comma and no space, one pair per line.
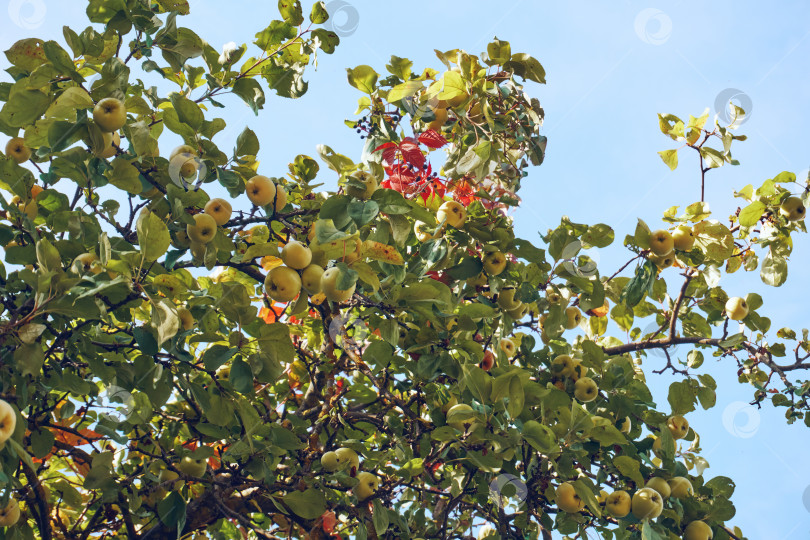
112,141
647,504
29,208
661,242
220,210
311,279
618,504
567,498
367,485
296,255
186,165
519,312
424,232
260,190
10,514
698,530
348,459
683,238
17,150
365,178
186,318
330,461
660,485
329,281
663,261
586,390
461,416
451,213
110,114
203,230
793,209
678,426
573,316
192,467
88,263
680,487
282,284
8,421
494,262
167,475
478,281
569,367
506,299
508,346
736,308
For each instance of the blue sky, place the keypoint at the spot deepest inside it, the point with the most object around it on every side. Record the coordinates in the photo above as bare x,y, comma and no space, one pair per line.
611,67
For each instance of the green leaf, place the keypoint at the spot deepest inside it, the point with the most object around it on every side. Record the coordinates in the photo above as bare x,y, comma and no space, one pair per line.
23,107
251,93
681,397
750,215
516,397
48,256
216,355
188,112
630,468
599,235
309,504
640,285
247,143
153,236
670,157
318,15
540,437
363,77
404,90
172,510
774,270
241,376
380,517
362,212
467,268
291,11
124,175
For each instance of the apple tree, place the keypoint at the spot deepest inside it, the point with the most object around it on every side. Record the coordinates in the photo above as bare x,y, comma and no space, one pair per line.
195,346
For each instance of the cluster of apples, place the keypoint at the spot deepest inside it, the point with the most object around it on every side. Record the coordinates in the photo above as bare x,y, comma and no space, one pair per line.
664,243
645,504
585,388
347,459
10,514
188,466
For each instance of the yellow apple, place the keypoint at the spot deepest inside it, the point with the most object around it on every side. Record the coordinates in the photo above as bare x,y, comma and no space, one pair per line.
660,485
570,367
260,190
793,209
367,180
367,485
661,242
494,262
112,141
567,498
680,487
736,308
461,417
180,239
439,119
10,514
518,312
698,530
203,230
348,459
8,421
17,150
678,426
508,346
573,316
329,281
170,476
311,279
657,447
330,462
663,261
478,281
282,284
219,209
281,198
29,208
185,164
182,149
618,504
424,232
624,425
186,318
296,255
192,467
452,213
683,238
602,497
506,299
647,504
88,262
110,114
586,390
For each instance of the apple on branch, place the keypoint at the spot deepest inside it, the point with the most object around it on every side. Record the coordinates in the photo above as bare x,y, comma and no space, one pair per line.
17,150
110,114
